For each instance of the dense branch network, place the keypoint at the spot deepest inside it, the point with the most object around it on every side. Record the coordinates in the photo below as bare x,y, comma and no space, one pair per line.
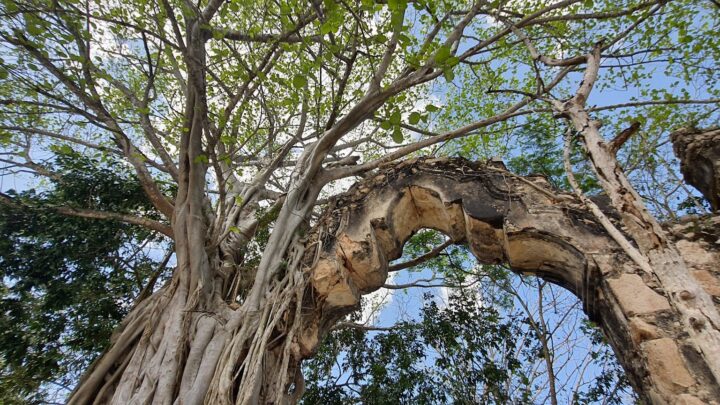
239,121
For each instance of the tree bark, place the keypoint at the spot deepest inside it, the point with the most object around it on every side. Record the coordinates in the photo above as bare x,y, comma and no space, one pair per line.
699,154
225,354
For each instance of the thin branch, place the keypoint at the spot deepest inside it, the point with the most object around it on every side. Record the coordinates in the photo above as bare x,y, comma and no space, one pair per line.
96,214
611,229
267,38
422,259
653,102
353,325
622,137
130,219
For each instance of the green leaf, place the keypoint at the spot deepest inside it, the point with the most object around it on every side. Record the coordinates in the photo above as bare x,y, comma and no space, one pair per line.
414,118
431,108
395,117
326,28
380,38
63,149
397,135
299,81
397,5
442,54
449,74
34,30
397,18
386,125
77,58
33,25
5,137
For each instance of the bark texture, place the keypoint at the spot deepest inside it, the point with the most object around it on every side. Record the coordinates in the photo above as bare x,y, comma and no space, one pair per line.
189,345
699,154
645,241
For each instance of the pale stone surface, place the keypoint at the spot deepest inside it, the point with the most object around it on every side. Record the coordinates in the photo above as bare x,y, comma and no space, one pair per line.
708,281
308,339
686,399
330,281
695,254
484,240
326,275
635,297
642,331
554,238
343,295
699,154
666,365
362,263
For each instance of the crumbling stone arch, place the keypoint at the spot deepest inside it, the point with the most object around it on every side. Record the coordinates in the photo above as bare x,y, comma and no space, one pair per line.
503,218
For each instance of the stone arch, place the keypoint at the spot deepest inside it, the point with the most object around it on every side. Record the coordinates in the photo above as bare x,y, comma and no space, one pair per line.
520,221
501,217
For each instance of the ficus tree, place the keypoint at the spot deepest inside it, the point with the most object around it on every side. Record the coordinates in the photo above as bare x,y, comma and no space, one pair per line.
243,121
71,280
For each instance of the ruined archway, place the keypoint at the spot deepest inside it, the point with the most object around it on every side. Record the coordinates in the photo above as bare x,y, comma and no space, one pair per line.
503,218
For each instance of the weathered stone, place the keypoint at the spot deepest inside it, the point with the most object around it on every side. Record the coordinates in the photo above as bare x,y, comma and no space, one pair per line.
708,281
641,330
699,154
326,275
484,241
308,338
666,365
695,254
700,249
367,270
343,295
332,283
687,399
503,218
635,297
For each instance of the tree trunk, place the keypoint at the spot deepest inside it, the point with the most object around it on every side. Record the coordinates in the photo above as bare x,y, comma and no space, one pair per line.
168,352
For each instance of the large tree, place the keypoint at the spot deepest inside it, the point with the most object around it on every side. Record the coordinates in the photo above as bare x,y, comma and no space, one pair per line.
239,119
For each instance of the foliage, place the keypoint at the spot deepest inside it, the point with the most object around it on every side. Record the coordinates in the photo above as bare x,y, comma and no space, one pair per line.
478,345
66,281
252,108
450,355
